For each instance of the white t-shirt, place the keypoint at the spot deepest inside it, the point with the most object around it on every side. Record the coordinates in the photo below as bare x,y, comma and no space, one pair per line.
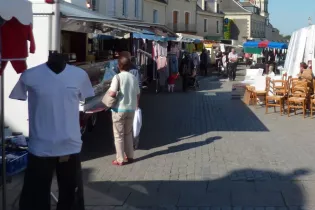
233,56
53,106
127,95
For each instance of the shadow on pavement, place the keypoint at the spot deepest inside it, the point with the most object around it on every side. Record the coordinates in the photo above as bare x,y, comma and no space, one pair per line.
179,148
240,188
171,117
100,141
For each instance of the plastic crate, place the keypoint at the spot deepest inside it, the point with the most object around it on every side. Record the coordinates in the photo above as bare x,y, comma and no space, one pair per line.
16,165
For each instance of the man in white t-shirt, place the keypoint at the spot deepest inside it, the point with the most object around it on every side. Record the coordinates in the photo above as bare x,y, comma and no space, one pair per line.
55,138
125,87
233,58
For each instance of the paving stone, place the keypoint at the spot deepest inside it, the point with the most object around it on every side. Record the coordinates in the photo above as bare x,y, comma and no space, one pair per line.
203,143
257,199
152,199
205,199
228,186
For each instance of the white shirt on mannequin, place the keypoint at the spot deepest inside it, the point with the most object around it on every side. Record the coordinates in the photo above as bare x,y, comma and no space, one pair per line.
53,104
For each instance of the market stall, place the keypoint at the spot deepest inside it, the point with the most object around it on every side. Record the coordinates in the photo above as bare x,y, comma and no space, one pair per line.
72,25
15,30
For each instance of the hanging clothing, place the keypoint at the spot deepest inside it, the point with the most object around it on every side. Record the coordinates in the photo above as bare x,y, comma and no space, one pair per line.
173,63
161,63
14,37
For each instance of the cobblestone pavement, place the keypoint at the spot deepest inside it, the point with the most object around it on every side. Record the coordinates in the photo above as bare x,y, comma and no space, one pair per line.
202,150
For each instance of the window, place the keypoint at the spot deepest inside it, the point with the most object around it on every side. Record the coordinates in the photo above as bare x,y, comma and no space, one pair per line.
175,17
124,8
218,8
187,18
205,25
218,30
155,16
136,8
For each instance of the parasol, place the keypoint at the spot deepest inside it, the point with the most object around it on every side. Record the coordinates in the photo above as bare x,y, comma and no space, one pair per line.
263,44
19,13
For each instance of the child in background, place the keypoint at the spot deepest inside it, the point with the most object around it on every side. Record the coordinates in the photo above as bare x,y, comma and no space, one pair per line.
171,82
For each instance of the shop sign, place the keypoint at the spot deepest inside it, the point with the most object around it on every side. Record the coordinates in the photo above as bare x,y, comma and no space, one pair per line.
227,28
208,45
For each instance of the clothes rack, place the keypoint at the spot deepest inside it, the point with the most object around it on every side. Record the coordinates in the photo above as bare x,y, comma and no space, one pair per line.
145,53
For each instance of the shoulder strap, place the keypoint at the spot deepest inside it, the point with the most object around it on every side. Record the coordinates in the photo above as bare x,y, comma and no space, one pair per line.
118,81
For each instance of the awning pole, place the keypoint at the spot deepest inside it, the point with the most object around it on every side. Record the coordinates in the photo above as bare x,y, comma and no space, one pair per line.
55,25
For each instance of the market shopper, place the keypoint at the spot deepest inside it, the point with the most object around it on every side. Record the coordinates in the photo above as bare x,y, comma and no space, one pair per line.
306,74
218,59
126,90
232,64
204,62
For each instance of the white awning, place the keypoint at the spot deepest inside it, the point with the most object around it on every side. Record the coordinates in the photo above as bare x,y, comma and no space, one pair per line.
189,37
77,13
20,9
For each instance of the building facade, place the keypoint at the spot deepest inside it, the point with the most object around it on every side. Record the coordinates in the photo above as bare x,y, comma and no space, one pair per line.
247,21
154,11
209,20
181,16
122,9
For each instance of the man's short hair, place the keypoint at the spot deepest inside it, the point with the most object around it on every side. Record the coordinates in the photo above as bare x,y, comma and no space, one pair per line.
304,65
124,63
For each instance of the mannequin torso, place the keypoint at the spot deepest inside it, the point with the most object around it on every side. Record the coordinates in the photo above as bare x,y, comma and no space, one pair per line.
56,62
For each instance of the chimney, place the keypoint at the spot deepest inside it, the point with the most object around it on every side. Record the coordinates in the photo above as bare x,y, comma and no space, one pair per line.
202,4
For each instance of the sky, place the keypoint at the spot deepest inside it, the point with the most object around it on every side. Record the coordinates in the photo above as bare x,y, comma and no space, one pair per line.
291,15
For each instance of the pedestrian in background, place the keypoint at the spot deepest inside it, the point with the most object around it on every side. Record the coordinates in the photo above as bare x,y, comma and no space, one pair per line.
124,87
204,62
232,64
171,82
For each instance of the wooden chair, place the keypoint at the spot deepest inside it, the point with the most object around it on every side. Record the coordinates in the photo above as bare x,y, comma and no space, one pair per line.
249,96
285,76
279,95
261,93
312,100
298,97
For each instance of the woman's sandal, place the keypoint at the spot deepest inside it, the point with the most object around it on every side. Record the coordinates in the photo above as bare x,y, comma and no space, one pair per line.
116,163
129,160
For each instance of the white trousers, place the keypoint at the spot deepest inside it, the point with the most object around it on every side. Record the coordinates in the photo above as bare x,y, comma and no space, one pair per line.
171,88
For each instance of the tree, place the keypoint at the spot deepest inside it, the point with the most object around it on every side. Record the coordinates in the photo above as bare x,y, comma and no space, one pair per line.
287,37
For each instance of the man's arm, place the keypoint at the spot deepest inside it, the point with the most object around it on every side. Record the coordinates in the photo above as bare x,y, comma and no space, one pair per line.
112,92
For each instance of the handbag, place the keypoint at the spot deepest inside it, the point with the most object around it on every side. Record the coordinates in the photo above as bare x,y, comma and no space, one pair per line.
108,100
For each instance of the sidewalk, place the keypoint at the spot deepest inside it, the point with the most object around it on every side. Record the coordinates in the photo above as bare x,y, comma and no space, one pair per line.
202,150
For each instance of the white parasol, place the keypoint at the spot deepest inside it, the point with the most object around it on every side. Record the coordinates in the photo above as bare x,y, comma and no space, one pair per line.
22,11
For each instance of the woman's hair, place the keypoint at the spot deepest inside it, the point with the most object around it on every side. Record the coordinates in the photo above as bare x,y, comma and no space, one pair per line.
124,63
125,53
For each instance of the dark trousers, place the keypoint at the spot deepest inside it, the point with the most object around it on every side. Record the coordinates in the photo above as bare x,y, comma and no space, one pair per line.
38,178
185,83
204,68
218,64
232,70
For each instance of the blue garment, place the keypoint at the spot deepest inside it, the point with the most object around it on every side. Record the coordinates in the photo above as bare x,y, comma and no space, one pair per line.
173,64
137,74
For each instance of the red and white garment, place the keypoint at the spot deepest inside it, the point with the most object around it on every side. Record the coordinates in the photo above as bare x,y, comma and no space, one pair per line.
14,36
15,33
